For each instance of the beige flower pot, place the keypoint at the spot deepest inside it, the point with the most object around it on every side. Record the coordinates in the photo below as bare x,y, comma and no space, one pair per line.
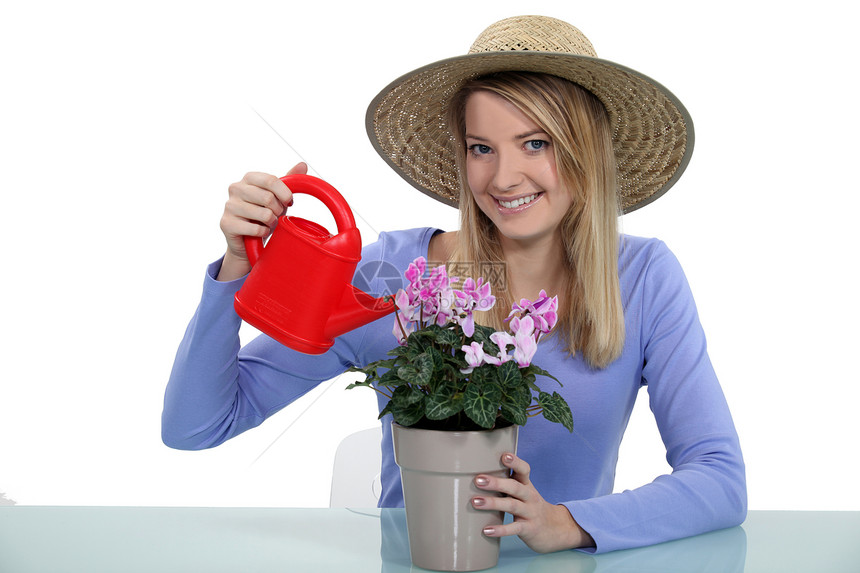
438,470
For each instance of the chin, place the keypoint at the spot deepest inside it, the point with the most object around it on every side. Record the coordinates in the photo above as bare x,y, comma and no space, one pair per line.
522,235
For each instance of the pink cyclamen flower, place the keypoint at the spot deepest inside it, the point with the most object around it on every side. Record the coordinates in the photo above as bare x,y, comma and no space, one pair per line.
525,342
468,324
410,310
474,296
428,298
478,294
474,356
502,340
415,270
544,311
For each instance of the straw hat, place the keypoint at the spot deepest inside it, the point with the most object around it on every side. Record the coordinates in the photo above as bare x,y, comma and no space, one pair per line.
652,132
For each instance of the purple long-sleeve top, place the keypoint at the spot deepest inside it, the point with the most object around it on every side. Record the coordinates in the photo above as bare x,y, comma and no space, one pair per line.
217,390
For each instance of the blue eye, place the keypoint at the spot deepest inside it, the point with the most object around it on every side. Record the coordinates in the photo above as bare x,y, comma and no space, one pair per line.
536,144
479,149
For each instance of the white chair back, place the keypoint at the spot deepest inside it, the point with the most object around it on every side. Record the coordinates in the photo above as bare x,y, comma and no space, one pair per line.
355,479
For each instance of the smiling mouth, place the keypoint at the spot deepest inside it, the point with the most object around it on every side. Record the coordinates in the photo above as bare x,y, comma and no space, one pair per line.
518,202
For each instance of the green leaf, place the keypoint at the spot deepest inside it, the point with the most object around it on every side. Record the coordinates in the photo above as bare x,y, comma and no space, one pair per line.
482,334
424,369
408,416
533,369
443,403
514,413
484,374
529,378
413,350
398,351
386,410
407,372
436,357
555,409
519,395
509,374
406,396
406,405
457,360
482,403
515,401
448,337
391,379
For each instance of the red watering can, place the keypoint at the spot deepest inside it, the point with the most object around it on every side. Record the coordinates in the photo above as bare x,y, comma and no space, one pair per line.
300,290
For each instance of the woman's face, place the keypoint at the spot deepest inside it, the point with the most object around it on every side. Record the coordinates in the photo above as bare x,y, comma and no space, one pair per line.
511,169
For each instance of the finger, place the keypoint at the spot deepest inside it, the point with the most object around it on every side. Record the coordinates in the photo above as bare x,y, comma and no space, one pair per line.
300,168
520,468
510,505
237,228
504,530
507,486
267,183
249,209
252,192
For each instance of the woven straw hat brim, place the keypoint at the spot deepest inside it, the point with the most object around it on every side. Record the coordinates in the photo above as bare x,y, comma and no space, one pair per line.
652,132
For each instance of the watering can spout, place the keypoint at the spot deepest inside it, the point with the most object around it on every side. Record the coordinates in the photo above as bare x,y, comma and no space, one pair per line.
356,309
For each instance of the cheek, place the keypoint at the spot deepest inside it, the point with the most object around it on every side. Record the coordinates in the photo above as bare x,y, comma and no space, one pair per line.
476,175
549,172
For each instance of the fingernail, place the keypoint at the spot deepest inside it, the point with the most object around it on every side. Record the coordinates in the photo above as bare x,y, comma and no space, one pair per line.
481,481
508,458
489,530
479,502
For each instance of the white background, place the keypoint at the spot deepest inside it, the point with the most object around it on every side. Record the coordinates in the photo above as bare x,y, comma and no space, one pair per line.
124,122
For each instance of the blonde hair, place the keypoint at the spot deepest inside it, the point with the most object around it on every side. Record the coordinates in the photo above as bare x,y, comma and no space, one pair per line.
591,317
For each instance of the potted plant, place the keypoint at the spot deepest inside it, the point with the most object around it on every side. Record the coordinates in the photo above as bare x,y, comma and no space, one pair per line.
458,391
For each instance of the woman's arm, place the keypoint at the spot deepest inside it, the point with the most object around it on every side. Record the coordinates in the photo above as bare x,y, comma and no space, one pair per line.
707,487
217,391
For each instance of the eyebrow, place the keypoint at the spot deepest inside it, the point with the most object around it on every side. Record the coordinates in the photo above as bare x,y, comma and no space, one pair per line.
516,137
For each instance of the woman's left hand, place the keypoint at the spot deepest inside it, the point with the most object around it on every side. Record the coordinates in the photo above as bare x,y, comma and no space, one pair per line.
541,525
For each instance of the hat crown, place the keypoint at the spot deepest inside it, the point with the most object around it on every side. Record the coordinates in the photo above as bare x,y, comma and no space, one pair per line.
533,33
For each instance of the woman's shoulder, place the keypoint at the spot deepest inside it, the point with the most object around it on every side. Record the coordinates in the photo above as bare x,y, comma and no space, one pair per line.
400,246
633,249
642,256
441,247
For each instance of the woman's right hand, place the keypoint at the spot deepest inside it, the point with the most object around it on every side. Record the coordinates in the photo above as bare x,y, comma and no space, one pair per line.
252,210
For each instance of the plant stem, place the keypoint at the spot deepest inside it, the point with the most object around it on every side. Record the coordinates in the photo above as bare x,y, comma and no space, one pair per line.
400,324
378,391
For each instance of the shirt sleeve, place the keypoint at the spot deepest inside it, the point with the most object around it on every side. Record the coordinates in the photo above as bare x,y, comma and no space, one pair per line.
217,390
707,487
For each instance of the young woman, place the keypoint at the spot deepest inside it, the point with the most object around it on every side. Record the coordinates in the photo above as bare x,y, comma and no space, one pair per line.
541,145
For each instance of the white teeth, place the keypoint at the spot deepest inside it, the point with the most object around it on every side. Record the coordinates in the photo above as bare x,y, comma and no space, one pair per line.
517,202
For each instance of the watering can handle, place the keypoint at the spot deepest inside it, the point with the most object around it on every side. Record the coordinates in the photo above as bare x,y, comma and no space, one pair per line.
315,187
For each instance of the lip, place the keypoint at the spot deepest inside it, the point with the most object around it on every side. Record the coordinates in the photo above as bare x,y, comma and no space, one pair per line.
519,208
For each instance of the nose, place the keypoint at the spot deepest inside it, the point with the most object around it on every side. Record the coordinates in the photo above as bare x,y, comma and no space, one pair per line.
509,173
